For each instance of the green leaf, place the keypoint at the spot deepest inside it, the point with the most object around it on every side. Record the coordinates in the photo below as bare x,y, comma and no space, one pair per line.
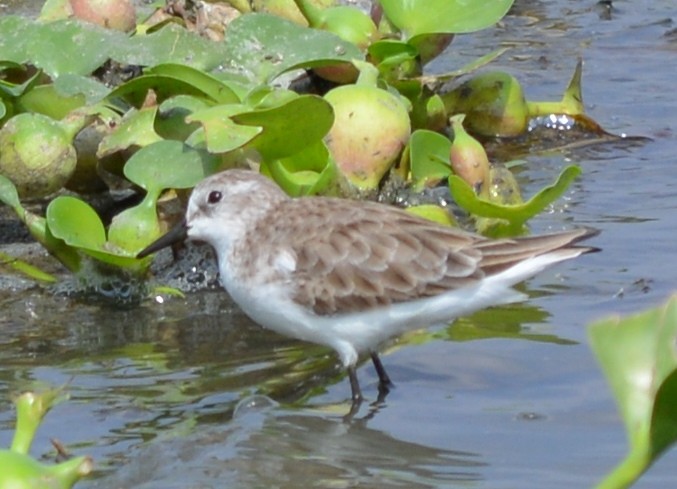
638,355
70,85
262,47
171,123
308,172
164,86
466,69
312,116
55,10
71,47
137,128
76,223
8,194
466,197
416,17
26,268
134,228
429,157
396,61
391,51
220,132
16,90
45,100
215,89
37,226
433,213
169,164
15,31
171,44
31,408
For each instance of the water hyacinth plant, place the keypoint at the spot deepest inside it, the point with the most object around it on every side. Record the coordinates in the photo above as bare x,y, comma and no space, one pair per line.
18,470
163,119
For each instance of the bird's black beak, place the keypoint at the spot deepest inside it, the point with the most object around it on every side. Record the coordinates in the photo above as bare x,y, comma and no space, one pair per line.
176,234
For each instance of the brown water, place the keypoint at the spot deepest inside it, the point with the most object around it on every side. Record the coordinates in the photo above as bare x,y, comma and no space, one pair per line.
190,393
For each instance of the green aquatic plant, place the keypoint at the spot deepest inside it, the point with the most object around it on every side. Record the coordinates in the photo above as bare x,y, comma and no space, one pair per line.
164,118
18,470
639,358
371,127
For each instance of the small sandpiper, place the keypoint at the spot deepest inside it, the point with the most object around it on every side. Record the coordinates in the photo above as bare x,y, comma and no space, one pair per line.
352,274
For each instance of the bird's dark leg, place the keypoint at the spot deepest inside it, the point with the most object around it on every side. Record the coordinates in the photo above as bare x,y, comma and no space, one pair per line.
384,382
354,385
356,394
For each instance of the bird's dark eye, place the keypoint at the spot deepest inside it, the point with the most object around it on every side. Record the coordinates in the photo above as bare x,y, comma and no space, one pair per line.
214,197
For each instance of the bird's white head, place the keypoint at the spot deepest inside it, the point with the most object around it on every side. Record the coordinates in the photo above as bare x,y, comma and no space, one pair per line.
224,206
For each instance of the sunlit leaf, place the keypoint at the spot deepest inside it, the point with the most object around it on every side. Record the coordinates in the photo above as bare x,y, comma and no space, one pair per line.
71,47
169,164
433,213
75,222
163,86
137,128
308,172
429,157
15,32
70,84
416,17
171,44
221,134
132,229
312,116
638,354
466,197
215,89
261,47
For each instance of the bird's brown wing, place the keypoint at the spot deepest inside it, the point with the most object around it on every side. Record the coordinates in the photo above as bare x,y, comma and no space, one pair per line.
372,255
366,255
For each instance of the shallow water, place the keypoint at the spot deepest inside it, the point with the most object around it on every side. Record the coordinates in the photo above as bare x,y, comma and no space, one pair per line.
189,393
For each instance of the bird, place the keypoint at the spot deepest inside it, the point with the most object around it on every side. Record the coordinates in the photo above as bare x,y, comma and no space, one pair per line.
351,275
